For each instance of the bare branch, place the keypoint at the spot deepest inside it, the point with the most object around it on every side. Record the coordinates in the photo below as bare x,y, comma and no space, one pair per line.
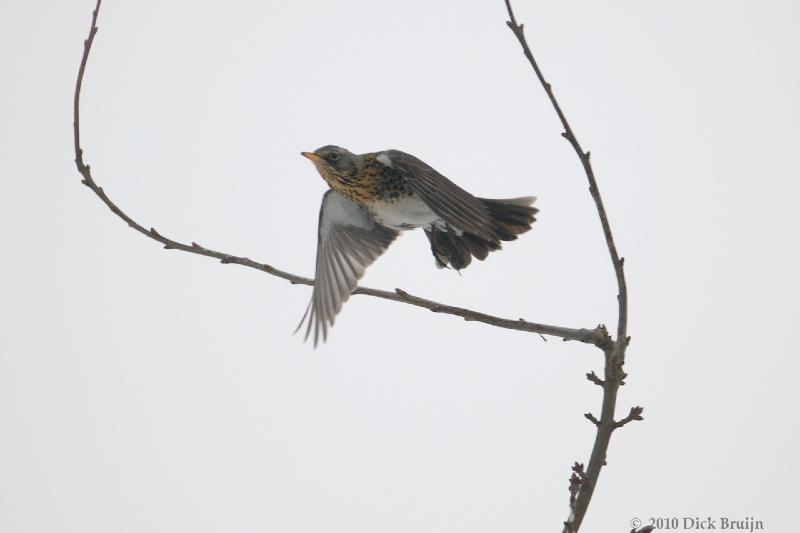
614,355
76,125
585,158
598,336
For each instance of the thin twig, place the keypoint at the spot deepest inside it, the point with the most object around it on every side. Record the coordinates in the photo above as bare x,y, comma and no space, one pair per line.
591,418
635,414
597,336
615,354
591,376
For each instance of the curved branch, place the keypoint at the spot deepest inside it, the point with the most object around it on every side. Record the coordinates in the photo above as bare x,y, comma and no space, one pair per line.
585,158
582,487
597,336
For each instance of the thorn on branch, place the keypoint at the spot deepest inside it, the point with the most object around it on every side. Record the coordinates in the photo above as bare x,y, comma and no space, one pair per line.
591,376
401,293
155,234
635,414
591,418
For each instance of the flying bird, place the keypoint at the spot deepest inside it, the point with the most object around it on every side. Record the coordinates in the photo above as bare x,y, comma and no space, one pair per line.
375,196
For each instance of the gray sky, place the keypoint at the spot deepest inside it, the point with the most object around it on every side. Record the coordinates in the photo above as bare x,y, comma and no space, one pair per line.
151,390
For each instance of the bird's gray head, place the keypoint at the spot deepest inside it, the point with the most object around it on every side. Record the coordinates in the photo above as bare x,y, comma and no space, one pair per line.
336,165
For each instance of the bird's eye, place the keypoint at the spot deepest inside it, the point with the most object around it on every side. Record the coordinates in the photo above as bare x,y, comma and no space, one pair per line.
332,157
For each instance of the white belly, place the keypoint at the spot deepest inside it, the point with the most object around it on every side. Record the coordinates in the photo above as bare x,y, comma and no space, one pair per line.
408,213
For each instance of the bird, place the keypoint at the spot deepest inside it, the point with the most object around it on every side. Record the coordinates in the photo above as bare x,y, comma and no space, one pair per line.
373,197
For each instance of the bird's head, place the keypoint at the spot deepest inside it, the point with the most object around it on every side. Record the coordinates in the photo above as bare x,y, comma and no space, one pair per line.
337,166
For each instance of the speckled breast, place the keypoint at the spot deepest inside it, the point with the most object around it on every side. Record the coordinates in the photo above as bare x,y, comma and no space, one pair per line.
375,183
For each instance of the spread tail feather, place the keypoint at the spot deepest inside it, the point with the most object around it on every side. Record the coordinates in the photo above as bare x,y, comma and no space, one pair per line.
510,218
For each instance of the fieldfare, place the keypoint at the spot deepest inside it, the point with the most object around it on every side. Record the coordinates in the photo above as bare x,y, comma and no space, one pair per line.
375,196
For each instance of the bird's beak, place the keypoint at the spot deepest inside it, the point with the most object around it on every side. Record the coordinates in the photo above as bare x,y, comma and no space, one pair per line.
312,156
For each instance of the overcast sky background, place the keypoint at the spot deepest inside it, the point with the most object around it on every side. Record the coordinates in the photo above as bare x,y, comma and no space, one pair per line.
152,390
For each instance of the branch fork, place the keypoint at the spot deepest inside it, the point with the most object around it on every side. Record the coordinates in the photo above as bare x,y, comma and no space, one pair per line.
613,349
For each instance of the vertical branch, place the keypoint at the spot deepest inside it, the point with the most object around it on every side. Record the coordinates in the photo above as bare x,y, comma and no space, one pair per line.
585,158
582,486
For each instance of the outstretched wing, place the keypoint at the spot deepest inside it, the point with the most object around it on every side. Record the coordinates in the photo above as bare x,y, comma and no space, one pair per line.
458,208
348,241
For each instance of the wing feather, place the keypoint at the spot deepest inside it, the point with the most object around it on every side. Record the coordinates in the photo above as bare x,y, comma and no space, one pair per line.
454,205
349,240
